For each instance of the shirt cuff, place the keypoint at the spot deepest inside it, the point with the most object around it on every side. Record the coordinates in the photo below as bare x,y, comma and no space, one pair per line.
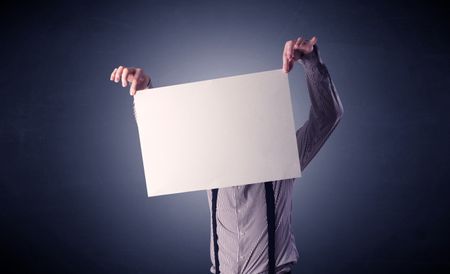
149,85
311,59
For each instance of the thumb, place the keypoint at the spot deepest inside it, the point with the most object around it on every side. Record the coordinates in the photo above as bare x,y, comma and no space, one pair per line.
134,82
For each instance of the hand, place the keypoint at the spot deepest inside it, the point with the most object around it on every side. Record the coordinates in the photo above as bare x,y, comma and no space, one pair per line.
295,49
136,76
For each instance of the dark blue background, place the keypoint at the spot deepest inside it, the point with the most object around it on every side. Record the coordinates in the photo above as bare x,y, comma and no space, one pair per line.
72,192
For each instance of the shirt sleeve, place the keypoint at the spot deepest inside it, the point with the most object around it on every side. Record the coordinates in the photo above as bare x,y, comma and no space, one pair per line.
325,112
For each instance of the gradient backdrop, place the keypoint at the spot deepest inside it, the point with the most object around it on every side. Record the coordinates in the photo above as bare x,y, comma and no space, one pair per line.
72,192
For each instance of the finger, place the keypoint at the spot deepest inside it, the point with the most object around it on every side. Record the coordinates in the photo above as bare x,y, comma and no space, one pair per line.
303,44
290,54
113,74
124,77
287,55
130,76
309,46
284,58
298,48
137,75
298,42
290,49
118,74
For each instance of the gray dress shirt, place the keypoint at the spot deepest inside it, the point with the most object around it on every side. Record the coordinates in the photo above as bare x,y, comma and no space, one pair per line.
241,210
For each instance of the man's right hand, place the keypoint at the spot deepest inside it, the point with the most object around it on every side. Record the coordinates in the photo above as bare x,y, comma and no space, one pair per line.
295,49
136,76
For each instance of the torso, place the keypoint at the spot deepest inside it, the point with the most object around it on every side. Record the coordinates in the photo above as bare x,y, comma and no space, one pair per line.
242,228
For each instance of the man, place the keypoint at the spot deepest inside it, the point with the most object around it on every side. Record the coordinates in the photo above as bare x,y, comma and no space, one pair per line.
251,228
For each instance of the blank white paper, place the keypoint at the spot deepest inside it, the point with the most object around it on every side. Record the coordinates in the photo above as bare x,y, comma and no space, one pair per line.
217,133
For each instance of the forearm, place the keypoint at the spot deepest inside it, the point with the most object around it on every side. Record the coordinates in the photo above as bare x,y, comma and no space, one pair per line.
325,112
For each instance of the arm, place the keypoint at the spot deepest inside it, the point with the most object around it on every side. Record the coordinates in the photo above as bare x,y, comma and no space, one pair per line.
326,108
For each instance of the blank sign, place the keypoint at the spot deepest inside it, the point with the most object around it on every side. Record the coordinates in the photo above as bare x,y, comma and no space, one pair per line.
217,133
